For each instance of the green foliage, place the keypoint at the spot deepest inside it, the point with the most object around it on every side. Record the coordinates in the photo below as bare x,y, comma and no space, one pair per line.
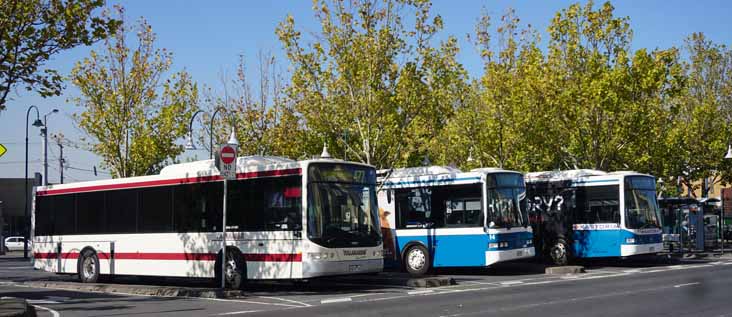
131,112
374,78
265,122
31,31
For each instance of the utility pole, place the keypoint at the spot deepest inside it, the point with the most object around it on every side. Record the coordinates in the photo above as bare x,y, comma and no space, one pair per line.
60,158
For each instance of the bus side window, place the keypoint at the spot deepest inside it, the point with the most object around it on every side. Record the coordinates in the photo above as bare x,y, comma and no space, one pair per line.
414,207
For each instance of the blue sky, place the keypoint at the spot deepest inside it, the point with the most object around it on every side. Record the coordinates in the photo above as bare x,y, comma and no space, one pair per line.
207,37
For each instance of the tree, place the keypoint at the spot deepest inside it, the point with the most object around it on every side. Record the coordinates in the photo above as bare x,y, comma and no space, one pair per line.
264,119
31,31
132,114
702,126
373,77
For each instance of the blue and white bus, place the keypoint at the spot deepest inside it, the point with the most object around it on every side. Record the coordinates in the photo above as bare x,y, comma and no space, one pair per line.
590,213
441,217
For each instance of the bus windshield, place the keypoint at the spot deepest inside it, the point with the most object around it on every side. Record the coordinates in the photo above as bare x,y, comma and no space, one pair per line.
641,208
506,201
342,208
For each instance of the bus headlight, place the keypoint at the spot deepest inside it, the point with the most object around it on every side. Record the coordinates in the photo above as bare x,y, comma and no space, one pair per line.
378,253
529,242
630,240
320,255
503,244
493,245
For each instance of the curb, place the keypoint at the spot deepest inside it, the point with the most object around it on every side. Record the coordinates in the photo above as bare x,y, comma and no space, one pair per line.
568,269
16,307
165,291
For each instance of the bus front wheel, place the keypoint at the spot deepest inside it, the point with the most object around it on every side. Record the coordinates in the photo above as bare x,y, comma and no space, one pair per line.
559,252
88,266
417,260
235,272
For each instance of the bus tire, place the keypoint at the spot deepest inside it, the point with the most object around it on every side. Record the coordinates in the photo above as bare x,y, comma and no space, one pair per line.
88,266
235,269
417,260
559,252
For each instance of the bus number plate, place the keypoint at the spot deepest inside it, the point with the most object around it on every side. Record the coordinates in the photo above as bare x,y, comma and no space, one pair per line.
354,268
519,252
653,249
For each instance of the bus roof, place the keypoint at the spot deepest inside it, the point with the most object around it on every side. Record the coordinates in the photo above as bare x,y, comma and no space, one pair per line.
578,174
198,171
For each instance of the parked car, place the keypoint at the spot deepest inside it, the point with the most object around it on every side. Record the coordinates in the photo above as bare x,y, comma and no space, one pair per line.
15,244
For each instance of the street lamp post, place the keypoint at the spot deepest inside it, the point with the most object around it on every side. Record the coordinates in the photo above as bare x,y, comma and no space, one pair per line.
45,145
213,116
37,124
189,143
728,156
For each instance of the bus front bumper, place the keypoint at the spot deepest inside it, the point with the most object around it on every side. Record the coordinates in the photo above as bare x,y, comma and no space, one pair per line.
313,268
635,249
492,257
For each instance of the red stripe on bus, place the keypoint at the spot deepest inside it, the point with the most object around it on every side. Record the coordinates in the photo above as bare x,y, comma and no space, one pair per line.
292,171
166,256
177,181
254,257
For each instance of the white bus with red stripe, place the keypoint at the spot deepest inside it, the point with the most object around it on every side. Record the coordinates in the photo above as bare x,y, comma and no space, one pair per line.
285,220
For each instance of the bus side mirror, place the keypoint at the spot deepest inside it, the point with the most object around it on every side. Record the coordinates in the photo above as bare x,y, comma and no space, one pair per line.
388,196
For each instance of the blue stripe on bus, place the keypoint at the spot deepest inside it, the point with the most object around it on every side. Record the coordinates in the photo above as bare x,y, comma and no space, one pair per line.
431,181
606,243
464,250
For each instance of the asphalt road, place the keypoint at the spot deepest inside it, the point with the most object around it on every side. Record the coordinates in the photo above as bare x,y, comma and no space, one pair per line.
627,288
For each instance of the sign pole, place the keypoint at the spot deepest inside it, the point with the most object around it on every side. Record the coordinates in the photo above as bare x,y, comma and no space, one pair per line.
223,241
227,170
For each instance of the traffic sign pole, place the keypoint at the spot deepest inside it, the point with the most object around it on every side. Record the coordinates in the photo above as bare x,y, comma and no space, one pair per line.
227,157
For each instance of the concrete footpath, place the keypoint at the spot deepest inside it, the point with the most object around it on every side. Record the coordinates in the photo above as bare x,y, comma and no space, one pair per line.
16,307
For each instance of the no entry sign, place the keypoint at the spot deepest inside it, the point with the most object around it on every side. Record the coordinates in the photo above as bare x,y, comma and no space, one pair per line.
227,155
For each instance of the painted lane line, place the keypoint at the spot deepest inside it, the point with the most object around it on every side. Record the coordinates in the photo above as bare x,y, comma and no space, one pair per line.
286,300
420,292
237,312
242,301
53,312
41,301
335,300
687,284
511,282
632,271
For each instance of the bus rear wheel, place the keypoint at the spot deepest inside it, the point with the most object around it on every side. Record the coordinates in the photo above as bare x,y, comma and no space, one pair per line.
417,260
559,252
235,272
88,266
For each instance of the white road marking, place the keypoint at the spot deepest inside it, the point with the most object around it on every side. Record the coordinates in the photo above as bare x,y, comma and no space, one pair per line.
238,312
244,301
420,292
286,300
335,300
511,282
632,271
53,312
687,284
41,301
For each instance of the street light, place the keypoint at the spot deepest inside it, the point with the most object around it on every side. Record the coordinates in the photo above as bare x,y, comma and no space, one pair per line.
213,116
44,131
37,124
189,144
721,210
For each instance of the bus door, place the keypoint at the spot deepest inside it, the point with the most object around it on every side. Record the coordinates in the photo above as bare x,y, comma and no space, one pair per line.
596,222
